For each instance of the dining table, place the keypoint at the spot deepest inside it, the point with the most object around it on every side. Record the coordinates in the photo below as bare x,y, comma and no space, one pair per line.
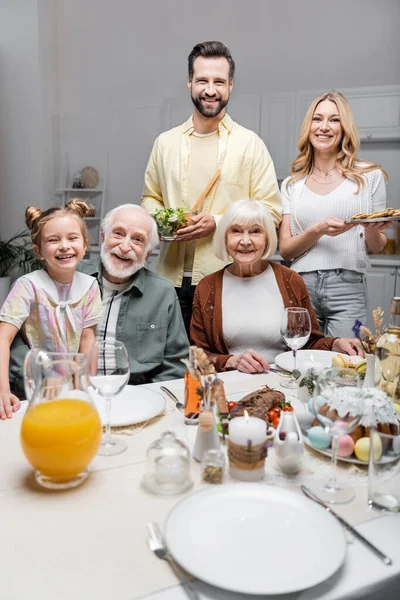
90,542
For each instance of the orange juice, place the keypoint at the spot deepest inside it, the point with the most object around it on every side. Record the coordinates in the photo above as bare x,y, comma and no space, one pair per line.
60,437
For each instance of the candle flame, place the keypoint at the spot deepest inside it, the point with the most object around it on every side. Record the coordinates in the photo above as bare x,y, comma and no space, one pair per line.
246,416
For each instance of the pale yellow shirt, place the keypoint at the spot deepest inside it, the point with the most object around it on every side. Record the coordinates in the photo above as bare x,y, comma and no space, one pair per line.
202,166
247,171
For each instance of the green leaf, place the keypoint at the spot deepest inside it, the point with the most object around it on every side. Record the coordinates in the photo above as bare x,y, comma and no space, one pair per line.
296,374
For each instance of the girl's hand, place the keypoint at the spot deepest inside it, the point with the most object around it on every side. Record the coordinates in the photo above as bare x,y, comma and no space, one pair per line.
9,404
248,362
332,226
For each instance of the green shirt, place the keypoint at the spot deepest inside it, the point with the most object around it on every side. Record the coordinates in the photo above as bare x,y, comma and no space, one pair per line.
150,325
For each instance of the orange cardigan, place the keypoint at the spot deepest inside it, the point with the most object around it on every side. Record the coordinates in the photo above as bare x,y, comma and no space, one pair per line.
206,330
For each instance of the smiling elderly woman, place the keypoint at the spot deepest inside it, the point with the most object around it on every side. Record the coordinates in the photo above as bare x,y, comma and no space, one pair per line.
237,311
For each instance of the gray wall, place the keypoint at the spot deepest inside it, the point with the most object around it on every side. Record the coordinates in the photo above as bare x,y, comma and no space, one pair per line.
83,78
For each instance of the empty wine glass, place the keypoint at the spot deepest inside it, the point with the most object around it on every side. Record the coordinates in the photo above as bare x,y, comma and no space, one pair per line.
338,404
108,374
295,331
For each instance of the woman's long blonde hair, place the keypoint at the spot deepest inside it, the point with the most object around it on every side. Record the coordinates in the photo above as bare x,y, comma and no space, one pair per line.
346,159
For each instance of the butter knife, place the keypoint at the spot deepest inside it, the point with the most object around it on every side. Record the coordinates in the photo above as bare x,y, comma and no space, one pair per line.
386,560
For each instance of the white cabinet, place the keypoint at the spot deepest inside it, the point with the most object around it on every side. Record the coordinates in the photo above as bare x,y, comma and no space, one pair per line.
376,112
381,284
277,130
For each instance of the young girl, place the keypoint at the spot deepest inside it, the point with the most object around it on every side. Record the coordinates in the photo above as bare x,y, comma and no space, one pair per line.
55,308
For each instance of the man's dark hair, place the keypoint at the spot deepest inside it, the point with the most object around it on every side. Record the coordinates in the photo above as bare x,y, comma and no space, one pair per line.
211,50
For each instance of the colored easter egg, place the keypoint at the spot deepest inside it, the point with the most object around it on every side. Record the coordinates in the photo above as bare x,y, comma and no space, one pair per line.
345,446
319,438
397,407
361,448
305,419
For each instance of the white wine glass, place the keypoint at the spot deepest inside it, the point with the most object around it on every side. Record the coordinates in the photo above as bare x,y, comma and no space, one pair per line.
295,331
109,373
338,404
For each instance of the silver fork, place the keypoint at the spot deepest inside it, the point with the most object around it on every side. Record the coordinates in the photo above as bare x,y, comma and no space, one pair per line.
178,403
157,544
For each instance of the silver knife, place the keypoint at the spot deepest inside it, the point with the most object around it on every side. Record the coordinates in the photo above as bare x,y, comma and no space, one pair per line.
282,372
387,561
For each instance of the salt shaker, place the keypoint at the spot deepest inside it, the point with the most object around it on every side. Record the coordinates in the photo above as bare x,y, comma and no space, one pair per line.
288,443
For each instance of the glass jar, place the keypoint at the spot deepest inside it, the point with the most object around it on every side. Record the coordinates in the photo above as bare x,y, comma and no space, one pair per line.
212,466
390,246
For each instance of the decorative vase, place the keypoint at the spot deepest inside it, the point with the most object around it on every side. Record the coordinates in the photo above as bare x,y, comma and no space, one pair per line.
206,437
369,379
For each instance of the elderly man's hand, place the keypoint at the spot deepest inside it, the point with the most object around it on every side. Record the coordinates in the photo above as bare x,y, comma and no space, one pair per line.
350,346
203,225
9,404
248,362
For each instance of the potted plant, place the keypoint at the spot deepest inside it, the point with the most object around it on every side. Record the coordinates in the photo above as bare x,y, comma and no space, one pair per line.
17,252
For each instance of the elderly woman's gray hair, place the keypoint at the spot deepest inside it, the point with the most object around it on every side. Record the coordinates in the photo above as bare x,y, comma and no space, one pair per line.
245,213
108,219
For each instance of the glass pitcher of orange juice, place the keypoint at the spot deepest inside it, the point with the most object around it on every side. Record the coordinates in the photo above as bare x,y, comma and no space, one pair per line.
61,430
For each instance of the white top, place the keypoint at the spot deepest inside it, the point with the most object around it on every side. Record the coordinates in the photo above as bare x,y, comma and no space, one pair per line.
252,309
345,251
111,298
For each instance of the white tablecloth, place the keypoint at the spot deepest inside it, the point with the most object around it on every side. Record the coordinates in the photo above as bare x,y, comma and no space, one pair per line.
90,542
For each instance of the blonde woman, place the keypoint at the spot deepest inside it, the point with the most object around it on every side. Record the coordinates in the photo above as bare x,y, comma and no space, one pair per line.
328,185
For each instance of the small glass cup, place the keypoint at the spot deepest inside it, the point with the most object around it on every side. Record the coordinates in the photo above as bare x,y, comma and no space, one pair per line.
212,466
384,472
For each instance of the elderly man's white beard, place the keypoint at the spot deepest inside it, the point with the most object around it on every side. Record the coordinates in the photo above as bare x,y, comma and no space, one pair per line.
121,271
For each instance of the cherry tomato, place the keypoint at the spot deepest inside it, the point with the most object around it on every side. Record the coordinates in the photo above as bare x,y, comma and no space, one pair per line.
275,422
231,405
274,412
288,408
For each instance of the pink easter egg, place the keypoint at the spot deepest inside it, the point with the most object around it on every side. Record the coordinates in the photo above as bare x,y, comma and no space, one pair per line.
345,446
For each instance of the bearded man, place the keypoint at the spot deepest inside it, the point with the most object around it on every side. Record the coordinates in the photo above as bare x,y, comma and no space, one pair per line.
183,161
140,308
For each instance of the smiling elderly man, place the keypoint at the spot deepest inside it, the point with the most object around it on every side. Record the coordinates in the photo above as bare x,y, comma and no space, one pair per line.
140,308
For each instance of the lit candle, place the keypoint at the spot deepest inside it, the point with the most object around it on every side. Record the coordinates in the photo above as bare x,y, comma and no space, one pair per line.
243,430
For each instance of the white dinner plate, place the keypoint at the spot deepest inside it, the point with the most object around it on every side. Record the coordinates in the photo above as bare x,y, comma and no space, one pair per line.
134,404
240,538
323,358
